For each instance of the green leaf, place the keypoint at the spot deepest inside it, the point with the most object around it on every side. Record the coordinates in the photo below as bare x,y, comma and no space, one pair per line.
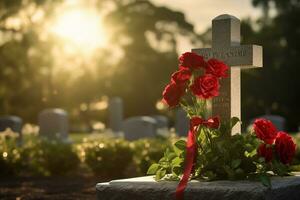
163,159
261,159
225,129
279,168
250,154
248,147
171,156
233,121
210,175
265,180
177,151
167,152
153,168
239,171
176,170
180,144
236,163
177,161
160,174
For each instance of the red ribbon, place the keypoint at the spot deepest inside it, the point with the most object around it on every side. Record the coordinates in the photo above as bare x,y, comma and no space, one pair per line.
191,149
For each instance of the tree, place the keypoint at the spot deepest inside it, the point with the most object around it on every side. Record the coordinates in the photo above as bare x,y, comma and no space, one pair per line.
145,34
150,54
275,87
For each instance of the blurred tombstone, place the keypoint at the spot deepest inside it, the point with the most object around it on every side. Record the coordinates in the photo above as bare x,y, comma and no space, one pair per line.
115,110
54,124
181,123
12,122
162,121
162,125
139,127
277,120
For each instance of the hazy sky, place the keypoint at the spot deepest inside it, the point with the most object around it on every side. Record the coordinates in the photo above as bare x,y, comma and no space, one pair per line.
201,12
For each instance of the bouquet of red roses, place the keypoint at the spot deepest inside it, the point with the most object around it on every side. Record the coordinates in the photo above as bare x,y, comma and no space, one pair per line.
210,152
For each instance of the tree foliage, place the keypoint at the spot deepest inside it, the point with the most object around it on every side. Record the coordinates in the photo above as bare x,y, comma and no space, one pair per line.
145,34
274,89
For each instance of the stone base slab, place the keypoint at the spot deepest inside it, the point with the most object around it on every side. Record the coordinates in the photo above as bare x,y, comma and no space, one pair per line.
145,188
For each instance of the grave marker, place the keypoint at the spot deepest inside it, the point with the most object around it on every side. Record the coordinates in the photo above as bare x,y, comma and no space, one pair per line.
181,122
12,122
135,128
226,47
115,110
54,124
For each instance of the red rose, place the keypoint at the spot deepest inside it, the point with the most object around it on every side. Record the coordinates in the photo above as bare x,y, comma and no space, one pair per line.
191,61
285,147
206,86
265,130
181,76
266,152
216,68
172,94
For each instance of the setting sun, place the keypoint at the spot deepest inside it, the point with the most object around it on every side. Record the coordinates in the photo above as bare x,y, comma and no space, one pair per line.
82,27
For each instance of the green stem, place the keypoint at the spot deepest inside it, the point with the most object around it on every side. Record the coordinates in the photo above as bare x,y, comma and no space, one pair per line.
207,136
199,143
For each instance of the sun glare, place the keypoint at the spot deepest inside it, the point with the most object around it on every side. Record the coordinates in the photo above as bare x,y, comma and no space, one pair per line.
82,27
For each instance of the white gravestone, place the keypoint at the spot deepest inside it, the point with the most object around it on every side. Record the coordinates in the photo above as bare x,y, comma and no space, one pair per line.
139,127
53,124
226,47
115,110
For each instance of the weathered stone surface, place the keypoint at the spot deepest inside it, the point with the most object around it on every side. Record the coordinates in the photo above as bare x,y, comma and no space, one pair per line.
145,188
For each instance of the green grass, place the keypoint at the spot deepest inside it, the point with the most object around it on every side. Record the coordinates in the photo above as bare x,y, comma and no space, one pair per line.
78,137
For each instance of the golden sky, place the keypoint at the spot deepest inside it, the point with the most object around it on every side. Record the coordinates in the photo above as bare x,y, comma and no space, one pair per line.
201,12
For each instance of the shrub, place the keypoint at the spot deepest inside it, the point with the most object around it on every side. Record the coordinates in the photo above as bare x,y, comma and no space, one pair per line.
147,152
49,157
10,159
108,158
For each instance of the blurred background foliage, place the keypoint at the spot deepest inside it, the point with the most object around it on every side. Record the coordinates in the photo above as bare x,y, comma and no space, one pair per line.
102,156
140,51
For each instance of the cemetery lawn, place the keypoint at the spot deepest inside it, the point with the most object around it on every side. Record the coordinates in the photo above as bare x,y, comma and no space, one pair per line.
77,137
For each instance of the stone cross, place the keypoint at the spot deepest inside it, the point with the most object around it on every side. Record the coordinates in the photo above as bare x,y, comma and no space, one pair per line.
226,47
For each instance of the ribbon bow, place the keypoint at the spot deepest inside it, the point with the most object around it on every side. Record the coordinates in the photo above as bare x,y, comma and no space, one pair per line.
191,149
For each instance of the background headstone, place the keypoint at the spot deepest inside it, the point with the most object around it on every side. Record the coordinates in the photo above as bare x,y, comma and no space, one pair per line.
162,121
12,122
53,123
115,110
139,127
181,122
162,125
